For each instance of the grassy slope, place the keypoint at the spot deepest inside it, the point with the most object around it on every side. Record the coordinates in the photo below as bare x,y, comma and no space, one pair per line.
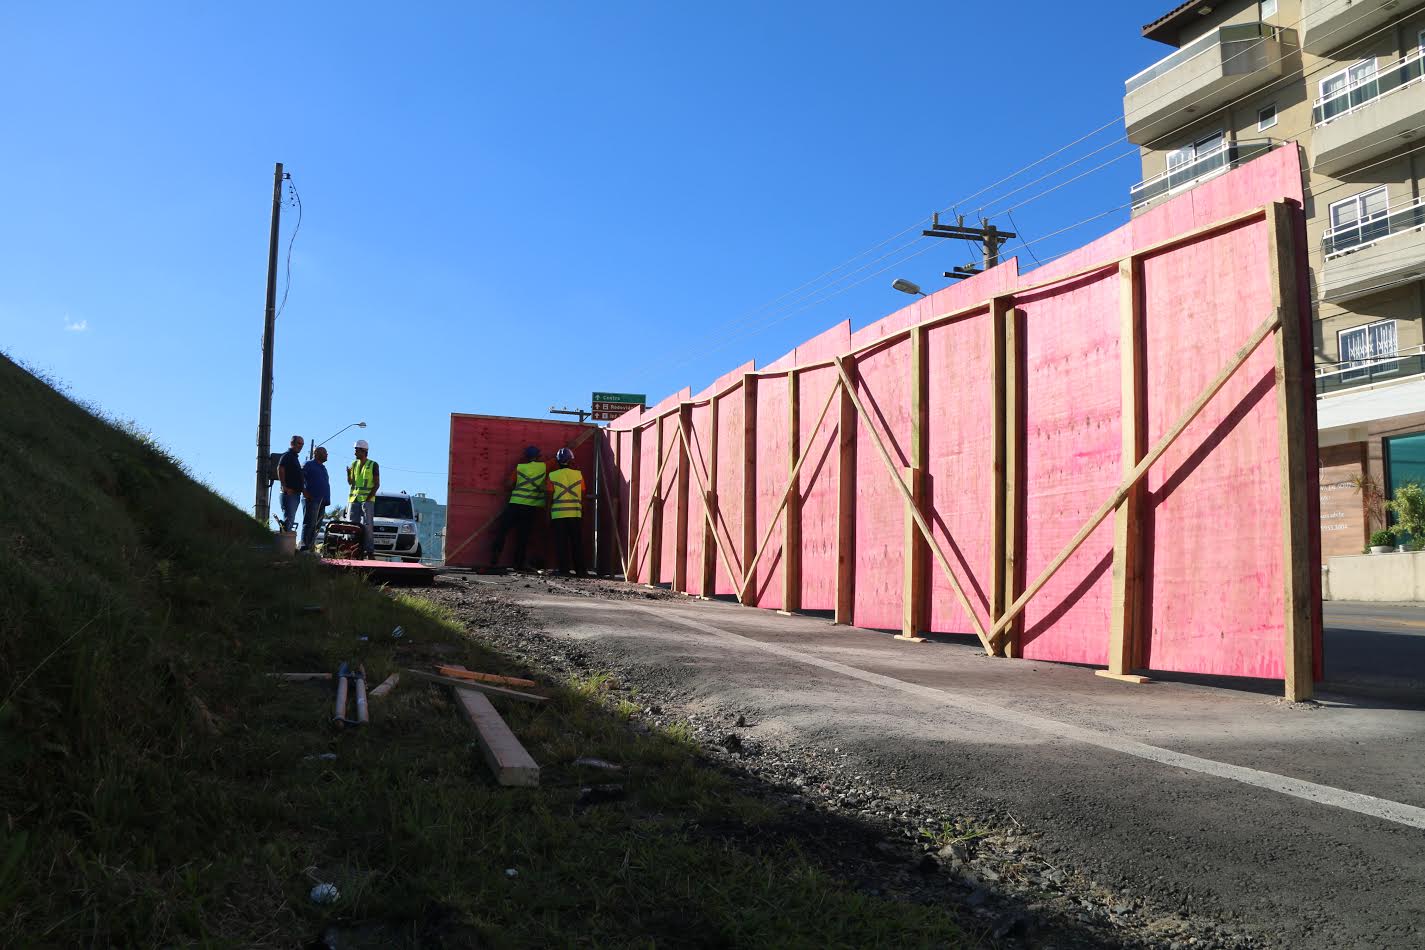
158,788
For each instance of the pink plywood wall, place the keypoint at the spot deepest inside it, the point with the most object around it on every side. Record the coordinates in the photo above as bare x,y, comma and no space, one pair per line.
1213,511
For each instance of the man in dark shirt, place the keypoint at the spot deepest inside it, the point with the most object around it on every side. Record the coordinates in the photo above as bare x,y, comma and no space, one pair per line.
289,477
317,495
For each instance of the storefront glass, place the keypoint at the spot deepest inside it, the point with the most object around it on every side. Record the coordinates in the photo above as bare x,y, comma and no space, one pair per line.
1404,461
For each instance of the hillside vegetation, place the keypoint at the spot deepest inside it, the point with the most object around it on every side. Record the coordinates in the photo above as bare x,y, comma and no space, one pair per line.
159,788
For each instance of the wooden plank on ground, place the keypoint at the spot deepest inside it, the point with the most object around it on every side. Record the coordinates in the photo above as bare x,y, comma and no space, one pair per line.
388,684
461,673
478,687
512,765
1292,442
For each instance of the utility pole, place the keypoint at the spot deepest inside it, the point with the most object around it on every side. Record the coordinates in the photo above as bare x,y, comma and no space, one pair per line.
989,237
566,411
261,507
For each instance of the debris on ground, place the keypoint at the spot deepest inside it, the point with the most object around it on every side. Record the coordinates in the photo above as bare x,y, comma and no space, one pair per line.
598,794
590,762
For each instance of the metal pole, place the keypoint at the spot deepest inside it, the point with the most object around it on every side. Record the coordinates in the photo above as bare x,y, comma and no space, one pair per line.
262,508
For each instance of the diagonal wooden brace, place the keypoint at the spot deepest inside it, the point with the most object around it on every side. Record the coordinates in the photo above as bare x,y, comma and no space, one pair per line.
707,508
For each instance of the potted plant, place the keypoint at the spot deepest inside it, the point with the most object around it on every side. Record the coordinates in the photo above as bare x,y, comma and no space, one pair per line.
1408,506
1382,542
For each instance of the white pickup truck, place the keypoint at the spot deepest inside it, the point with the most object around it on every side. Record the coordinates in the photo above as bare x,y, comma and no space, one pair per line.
394,526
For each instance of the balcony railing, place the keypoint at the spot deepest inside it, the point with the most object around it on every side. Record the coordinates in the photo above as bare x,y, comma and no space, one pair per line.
1225,156
1406,363
1232,38
1367,231
1364,91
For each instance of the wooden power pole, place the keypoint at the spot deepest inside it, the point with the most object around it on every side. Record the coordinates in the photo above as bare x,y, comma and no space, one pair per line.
261,507
989,237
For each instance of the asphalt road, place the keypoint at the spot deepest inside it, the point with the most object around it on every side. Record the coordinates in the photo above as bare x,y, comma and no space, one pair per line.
1375,650
1302,823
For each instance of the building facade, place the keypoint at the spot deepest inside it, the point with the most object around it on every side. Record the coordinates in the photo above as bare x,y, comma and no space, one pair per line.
431,528
1343,79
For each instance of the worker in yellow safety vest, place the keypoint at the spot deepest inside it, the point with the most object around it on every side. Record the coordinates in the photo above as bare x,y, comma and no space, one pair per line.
364,477
566,510
527,491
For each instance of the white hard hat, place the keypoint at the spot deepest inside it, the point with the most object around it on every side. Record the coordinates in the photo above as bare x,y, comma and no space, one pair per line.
361,444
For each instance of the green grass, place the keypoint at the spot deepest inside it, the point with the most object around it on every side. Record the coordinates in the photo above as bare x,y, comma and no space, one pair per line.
159,788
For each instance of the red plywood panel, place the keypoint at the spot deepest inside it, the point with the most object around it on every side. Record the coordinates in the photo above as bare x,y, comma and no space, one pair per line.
1072,448
483,453
883,384
701,426
669,510
817,480
774,471
959,448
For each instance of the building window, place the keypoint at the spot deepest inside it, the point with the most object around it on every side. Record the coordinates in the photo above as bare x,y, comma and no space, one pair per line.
1203,146
1266,118
1404,461
1345,90
1269,8
1358,220
1367,351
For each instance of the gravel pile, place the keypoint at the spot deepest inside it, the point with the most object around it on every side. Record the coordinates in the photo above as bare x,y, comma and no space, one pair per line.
885,840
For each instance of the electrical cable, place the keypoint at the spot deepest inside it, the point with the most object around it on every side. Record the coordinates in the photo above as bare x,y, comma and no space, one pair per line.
292,188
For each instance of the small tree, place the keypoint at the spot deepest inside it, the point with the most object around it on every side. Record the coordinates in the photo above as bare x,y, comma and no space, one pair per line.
1408,506
1372,499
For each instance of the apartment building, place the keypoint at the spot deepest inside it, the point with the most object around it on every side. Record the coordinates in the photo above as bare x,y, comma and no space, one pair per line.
1343,80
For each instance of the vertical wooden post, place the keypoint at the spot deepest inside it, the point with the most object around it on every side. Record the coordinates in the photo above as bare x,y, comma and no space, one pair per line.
1297,565
709,572
1007,376
634,486
915,602
846,503
680,547
1125,631
748,547
792,526
655,526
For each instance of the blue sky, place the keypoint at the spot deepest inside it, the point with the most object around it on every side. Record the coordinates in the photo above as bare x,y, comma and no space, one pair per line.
507,206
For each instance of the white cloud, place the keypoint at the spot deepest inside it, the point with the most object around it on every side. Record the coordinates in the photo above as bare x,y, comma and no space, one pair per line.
74,327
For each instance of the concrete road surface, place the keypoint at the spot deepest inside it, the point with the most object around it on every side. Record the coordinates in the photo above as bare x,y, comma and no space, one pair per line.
1375,649
1302,822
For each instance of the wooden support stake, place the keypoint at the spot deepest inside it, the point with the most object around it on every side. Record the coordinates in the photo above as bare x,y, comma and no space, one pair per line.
1124,623
709,574
478,687
915,602
680,535
655,504
846,495
792,526
1263,330
746,594
511,763
914,511
1299,635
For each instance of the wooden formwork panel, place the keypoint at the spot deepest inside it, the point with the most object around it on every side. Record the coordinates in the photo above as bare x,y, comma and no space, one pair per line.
817,481
772,437
700,429
731,463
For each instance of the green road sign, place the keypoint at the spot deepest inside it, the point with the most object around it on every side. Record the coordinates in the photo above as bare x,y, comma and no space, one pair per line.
636,399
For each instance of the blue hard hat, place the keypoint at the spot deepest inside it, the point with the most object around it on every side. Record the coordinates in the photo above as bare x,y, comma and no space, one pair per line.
532,452
564,455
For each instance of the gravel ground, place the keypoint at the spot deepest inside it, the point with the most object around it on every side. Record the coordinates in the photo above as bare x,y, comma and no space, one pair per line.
1001,876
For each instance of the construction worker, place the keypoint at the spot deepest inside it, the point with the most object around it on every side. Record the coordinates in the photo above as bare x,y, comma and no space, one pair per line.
364,477
526,486
566,511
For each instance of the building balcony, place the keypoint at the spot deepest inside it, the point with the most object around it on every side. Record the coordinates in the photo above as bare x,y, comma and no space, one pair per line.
1386,369
1369,118
1225,157
1230,61
1331,24
1374,254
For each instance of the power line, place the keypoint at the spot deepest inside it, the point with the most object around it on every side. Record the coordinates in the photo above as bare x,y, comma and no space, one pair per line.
287,282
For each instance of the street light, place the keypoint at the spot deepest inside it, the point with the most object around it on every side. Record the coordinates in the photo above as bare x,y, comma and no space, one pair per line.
907,287
313,450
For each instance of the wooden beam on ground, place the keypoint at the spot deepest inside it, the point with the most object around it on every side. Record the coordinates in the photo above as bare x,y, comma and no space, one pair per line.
792,526
302,677
680,527
915,600
1240,357
710,508
920,521
748,547
478,687
506,757
1298,633
1124,623
388,684
461,673
846,495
